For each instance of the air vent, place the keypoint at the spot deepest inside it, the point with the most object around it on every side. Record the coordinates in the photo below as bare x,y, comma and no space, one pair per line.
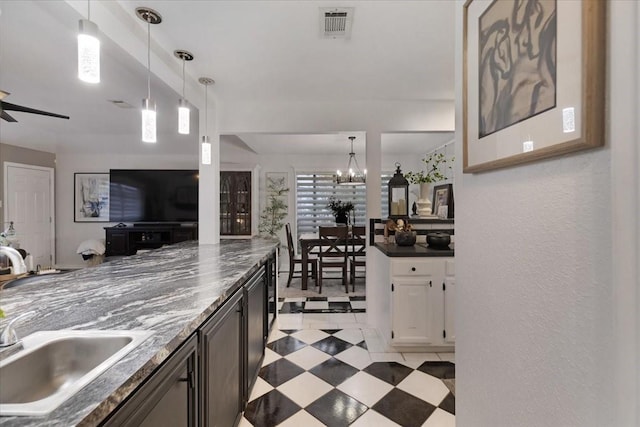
120,103
336,22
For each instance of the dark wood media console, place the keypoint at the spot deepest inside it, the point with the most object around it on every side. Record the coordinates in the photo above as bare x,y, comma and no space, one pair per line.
127,240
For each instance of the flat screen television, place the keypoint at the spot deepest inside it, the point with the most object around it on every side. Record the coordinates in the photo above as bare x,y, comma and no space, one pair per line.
153,195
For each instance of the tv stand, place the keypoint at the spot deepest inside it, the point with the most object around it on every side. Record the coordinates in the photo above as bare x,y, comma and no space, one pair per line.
127,240
156,224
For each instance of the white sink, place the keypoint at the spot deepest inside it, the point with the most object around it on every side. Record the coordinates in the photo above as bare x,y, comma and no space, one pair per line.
55,365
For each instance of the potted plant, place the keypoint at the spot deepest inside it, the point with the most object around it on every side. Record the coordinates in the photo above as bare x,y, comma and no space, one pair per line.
436,164
340,209
274,213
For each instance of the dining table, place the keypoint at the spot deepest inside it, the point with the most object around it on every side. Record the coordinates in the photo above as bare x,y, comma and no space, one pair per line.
308,241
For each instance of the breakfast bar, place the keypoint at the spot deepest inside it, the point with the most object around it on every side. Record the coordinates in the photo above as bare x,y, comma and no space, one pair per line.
177,294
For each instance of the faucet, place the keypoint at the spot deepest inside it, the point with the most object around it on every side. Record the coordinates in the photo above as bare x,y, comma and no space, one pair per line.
8,337
15,258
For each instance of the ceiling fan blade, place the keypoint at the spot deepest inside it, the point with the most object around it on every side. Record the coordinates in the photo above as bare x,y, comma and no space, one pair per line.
14,107
7,117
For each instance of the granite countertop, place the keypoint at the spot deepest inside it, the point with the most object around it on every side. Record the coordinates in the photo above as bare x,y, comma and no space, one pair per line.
170,291
417,250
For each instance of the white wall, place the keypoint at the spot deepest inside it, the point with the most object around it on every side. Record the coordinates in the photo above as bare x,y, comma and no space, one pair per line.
535,302
70,234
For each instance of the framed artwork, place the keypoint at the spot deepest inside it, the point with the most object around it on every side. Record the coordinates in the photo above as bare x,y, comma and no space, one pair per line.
534,80
91,197
443,196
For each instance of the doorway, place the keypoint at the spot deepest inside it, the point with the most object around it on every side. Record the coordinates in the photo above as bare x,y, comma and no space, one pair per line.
29,203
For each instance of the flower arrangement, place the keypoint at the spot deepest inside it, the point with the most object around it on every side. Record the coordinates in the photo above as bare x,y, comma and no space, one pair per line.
435,163
338,207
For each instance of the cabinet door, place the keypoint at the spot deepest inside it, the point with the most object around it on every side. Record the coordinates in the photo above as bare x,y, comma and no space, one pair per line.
255,317
117,243
168,398
413,316
449,303
221,365
235,203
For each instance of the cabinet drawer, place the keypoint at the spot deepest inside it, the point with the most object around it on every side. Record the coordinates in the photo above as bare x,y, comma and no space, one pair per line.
417,267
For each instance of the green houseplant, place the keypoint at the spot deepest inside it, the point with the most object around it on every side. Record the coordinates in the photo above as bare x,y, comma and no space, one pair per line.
275,211
340,209
435,163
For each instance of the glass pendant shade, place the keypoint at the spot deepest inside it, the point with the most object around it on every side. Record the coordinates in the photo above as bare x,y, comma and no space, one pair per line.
206,151
88,52
148,120
183,117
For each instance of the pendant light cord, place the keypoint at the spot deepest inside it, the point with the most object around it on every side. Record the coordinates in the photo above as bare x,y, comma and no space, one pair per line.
206,109
148,56
89,10
183,62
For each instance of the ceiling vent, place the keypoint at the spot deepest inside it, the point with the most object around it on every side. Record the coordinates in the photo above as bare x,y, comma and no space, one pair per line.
335,22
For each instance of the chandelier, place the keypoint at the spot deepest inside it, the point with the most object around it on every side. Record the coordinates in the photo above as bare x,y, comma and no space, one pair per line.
353,176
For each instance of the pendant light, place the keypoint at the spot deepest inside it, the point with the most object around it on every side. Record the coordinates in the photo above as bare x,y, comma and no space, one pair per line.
184,113
206,144
354,175
88,49
150,16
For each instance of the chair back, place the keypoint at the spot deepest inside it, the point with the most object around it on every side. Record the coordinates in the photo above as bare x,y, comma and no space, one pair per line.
358,241
333,242
290,245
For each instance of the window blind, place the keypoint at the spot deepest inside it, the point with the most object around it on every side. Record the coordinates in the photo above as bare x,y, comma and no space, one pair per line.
313,190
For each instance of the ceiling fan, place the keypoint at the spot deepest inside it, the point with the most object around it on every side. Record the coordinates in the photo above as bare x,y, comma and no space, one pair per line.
5,106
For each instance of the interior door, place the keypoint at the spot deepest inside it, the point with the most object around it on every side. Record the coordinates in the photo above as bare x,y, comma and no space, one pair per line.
29,205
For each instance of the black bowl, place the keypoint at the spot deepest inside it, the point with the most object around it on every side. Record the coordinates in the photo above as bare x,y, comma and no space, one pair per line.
405,238
438,240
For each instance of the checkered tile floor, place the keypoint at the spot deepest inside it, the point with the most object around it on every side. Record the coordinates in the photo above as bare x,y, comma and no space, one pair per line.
355,304
329,377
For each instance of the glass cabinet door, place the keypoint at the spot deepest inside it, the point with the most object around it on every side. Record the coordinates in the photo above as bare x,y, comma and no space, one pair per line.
235,203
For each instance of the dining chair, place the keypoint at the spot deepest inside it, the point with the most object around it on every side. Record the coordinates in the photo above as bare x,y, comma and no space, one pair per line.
333,253
297,259
357,254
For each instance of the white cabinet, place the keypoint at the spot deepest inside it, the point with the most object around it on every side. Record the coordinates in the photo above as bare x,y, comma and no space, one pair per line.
422,302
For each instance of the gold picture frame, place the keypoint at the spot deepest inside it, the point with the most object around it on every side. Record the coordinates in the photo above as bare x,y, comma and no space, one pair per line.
542,92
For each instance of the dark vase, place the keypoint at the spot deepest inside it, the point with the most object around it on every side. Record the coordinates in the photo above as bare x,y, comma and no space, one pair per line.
342,218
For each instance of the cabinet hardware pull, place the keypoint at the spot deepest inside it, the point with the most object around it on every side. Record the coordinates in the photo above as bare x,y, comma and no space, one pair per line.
430,284
413,269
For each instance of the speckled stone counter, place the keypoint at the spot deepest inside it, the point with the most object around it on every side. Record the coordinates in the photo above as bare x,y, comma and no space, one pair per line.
169,291
417,250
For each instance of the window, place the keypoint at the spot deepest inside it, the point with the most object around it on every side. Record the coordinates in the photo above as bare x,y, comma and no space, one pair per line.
313,192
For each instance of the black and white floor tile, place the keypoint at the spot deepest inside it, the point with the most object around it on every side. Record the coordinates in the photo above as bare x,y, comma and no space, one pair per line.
342,304
342,376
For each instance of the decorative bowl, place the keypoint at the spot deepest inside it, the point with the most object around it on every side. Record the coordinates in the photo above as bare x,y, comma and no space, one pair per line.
405,238
438,240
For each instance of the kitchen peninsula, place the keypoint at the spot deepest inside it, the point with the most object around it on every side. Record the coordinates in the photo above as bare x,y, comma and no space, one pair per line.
178,293
412,290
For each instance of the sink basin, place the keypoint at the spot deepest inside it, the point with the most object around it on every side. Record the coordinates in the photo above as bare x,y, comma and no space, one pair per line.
54,365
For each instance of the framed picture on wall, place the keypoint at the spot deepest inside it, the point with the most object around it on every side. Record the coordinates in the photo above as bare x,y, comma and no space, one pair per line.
533,80
91,197
443,196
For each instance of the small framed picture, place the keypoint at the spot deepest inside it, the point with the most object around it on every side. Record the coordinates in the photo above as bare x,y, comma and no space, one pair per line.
91,197
443,196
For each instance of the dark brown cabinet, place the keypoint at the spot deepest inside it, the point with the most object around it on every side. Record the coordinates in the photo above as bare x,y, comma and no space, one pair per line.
207,381
235,203
221,366
168,398
254,303
127,240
